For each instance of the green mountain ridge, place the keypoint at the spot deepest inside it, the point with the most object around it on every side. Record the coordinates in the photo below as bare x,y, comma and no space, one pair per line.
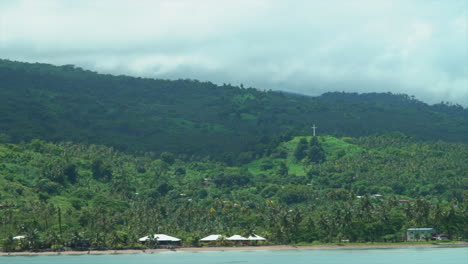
66,103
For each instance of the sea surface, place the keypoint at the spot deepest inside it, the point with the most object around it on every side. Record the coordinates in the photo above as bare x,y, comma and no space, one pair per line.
321,256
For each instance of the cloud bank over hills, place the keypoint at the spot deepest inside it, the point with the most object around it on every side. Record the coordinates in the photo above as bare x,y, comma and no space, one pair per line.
415,47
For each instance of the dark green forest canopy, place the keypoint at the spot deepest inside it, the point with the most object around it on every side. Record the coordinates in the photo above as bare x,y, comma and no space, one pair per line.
190,117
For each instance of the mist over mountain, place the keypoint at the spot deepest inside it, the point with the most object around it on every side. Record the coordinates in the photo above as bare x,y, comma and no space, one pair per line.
416,47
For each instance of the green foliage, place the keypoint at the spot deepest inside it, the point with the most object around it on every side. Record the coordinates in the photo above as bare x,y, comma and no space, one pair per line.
8,243
163,189
282,170
4,138
232,179
47,186
218,159
266,164
101,171
300,151
190,117
293,194
146,194
70,172
168,157
315,153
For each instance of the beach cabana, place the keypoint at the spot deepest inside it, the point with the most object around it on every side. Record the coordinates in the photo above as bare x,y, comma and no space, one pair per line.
161,239
212,238
237,238
256,238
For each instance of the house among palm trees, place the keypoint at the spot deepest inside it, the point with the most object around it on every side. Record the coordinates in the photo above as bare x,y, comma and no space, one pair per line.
255,237
419,234
235,238
160,239
212,238
238,238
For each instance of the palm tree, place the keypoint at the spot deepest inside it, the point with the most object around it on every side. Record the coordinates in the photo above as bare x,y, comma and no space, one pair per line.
8,243
421,211
76,240
98,241
33,239
152,241
53,240
115,240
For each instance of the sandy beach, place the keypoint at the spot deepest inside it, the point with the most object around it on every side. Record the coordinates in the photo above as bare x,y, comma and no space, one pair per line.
239,248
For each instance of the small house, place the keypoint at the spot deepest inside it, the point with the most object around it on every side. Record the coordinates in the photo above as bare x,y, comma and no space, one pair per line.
255,237
214,240
237,238
161,239
419,234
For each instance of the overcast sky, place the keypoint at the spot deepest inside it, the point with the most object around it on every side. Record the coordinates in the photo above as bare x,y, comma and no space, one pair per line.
418,47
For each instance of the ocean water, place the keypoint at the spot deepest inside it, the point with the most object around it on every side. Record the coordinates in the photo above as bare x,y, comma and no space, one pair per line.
333,256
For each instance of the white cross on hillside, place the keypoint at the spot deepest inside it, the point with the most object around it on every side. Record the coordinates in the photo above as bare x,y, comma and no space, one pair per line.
314,127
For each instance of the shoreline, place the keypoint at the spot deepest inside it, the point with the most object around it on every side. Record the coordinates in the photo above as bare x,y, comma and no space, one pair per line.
240,248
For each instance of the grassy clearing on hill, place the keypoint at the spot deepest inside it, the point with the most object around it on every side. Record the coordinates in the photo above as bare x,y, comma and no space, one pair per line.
335,148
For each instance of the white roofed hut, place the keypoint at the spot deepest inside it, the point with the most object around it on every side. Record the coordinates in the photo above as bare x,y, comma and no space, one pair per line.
160,239
238,239
212,238
256,238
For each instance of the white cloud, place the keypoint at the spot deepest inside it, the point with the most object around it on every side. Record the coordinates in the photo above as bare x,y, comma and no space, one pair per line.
417,47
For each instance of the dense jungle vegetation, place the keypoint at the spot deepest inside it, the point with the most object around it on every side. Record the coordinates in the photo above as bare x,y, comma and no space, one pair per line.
308,189
96,161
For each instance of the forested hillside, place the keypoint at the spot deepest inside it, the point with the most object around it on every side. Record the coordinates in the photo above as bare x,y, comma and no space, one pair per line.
306,189
93,160
189,117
